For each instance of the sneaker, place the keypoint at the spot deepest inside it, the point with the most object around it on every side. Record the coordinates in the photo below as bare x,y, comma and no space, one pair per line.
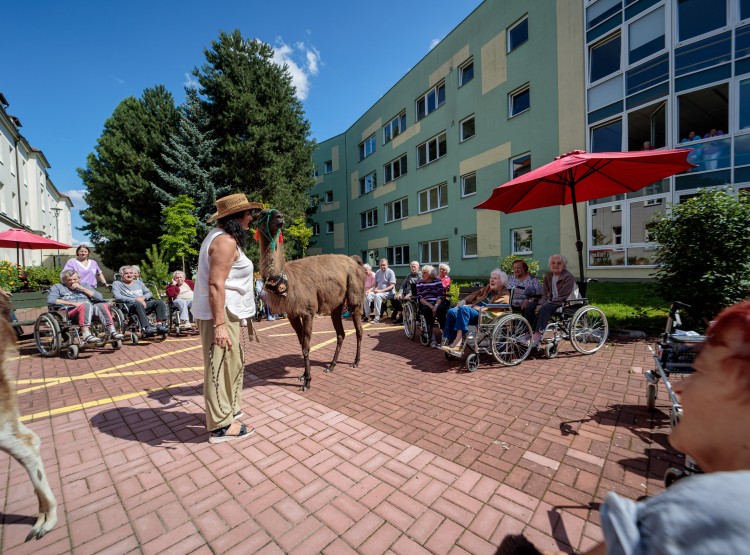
148,330
375,320
185,325
90,339
161,328
271,318
346,314
433,343
114,334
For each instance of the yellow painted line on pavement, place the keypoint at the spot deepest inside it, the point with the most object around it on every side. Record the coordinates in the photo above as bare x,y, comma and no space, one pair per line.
100,402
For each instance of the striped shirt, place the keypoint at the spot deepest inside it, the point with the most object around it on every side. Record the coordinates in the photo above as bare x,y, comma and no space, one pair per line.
431,291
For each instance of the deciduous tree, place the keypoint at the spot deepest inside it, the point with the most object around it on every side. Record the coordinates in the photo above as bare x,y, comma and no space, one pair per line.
180,230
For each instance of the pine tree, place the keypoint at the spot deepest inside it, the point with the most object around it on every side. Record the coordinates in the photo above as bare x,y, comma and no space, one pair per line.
179,229
123,214
259,123
188,166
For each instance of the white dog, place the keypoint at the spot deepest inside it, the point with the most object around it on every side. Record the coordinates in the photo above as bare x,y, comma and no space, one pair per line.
16,439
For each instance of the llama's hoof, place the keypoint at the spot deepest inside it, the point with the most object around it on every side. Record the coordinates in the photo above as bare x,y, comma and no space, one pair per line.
328,369
305,385
354,365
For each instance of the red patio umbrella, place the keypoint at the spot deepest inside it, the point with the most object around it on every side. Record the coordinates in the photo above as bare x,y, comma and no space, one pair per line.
21,239
580,176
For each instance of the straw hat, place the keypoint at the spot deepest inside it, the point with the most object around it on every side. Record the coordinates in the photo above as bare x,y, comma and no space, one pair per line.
231,204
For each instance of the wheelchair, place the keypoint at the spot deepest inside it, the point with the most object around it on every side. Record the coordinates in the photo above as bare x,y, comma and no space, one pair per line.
583,324
501,333
414,321
673,354
55,332
130,325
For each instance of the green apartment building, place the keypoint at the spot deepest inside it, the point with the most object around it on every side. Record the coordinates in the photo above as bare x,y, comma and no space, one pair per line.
501,94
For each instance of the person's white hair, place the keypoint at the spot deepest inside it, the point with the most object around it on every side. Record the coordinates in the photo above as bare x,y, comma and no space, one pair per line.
429,269
178,273
367,267
502,275
561,257
445,267
67,273
123,268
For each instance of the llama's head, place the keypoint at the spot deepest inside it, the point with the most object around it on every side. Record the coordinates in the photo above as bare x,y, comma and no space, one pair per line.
270,221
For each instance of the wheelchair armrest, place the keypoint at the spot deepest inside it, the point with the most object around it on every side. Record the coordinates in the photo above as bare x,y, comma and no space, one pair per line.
497,307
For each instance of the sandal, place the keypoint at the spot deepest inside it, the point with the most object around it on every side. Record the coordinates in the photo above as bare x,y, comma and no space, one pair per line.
220,435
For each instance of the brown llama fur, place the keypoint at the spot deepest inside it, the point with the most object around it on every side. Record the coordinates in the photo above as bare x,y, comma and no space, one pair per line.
16,439
321,284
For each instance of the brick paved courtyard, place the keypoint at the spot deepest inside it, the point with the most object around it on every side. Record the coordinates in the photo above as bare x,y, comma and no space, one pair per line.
408,453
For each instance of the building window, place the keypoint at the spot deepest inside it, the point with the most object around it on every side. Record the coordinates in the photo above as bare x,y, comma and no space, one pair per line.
328,199
315,171
744,9
519,101
329,227
328,168
397,210
520,165
431,150
648,124
394,128
467,128
367,147
431,100
469,246
398,255
371,257
604,58
316,228
646,36
433,252
696,17
703,110
367,183
607,137
521,241
433,198
368,219
518,34
600,11
314,201
466,72
394,169
468,184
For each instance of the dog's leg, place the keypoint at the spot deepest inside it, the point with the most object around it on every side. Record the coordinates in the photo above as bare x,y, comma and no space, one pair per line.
23,445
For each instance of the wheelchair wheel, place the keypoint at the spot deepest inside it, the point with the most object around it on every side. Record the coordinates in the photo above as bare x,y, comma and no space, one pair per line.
651,396
472,362
72,352
134,338
117,344
424,333
588,329
510,344
550,350
410,320
260,307
118,319
47,334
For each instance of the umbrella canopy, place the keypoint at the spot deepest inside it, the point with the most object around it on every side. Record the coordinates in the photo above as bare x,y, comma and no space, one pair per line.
580,176
21,239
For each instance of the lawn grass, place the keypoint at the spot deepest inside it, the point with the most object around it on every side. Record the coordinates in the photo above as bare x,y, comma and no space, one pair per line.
630,305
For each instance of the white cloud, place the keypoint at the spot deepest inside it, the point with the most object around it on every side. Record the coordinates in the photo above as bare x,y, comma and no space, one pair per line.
303,63
190,82
76,195
119,80
434,43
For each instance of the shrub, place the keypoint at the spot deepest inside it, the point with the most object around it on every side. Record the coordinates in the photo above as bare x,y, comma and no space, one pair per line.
38,276
704,252
9,280
155,270
506,264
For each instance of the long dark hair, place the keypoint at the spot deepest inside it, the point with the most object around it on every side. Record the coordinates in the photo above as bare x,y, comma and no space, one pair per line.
231,224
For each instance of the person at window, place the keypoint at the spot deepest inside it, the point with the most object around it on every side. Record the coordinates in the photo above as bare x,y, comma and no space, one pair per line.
385,285
180,293
83,300
702,513
430,297
527,290
224,295
559,286
466,312
647,145
87,269
407,290
713,133
691,136
369,288
443,271
139,299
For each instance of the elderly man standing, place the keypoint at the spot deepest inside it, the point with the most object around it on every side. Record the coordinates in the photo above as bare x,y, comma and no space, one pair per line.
180,292
134,293
385,284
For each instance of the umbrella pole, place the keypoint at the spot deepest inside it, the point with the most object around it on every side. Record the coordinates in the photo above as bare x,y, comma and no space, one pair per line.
579,243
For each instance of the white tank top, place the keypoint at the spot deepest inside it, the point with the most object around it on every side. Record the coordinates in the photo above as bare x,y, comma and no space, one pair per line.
239,287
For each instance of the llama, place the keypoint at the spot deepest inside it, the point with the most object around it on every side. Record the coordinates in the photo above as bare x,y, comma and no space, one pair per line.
16,439
309,286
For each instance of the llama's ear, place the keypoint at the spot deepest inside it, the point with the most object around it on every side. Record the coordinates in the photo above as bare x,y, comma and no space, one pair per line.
257,234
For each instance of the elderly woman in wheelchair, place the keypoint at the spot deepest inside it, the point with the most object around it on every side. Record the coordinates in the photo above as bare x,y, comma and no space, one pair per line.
136,302
563,313
70,301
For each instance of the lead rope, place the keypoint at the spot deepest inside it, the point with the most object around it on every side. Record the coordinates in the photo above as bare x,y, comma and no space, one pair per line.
215,376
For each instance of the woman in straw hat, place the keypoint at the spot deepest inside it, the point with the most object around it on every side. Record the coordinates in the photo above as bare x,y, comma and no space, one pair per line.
224,295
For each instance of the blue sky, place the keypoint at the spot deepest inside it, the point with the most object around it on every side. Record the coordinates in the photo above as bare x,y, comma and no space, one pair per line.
68,64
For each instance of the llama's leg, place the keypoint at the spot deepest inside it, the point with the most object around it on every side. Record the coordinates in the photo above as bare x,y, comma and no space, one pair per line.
338,325
303,327
24,447
357,320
